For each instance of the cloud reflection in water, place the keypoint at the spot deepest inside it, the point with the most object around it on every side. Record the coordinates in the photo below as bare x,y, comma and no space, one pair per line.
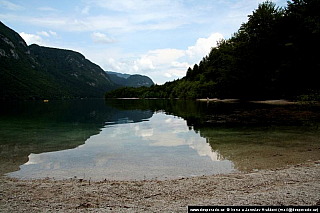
162,147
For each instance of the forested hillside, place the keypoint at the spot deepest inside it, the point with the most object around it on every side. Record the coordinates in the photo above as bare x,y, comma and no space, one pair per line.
126,80
34,72
275,54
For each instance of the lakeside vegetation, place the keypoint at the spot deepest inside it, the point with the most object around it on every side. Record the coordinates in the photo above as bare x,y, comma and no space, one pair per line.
273,55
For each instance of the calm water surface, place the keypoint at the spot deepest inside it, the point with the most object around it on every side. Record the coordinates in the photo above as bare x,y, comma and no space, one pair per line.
134,139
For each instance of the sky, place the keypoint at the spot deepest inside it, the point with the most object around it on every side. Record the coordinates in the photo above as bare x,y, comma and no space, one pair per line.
158,38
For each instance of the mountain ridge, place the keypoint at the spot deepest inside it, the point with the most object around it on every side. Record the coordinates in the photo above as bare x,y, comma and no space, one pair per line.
121,75
128,80
36,72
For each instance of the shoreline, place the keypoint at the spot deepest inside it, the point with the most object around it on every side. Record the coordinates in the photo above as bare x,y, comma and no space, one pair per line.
271,102
293,185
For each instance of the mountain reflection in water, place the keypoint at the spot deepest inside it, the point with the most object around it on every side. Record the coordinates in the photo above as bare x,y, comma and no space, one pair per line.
37,127
144,139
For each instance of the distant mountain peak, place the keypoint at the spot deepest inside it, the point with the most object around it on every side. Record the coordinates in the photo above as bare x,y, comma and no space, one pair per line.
121,75
128,80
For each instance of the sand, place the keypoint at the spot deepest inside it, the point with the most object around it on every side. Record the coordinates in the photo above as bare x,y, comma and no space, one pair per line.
292,185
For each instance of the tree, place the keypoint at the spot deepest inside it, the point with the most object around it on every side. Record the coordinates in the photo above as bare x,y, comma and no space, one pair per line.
255,45
273,55
301,64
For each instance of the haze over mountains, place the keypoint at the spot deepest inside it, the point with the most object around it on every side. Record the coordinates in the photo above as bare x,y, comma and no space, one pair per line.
36,72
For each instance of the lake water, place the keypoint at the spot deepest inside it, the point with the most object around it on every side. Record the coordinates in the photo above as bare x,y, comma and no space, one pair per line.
152,139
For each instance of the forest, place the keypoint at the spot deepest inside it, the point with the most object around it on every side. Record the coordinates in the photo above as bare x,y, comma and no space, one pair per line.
36,72
274,55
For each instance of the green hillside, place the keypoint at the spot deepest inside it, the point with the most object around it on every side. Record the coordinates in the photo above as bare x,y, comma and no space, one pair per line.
275,54
34,72
126,80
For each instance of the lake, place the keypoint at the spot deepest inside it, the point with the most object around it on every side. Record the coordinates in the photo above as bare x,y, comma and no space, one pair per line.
152,139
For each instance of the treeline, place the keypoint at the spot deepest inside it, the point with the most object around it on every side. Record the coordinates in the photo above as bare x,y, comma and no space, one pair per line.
275,54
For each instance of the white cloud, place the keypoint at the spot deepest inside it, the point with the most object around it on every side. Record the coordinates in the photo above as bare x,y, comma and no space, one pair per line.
125,16
173,63
47,9
10,6
166,64
167,75
180,65
85,10
138,5
54,34
46,34
203,46
164,56
41,38
157,58
115,65
177,72
100,38
155,35
32,39
43,33
143,64
138,15
178,69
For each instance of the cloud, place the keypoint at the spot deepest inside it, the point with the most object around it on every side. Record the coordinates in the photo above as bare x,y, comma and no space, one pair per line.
118,16
38,38
10,6
164,64
54,34
43,33
140,15
85,10
119,66
143,64
100,38
32,39
163,56
48,9
167,75
178,69
46,34
180,65
203,45
137,5
177,72
173,63
157,58
179,135
115,65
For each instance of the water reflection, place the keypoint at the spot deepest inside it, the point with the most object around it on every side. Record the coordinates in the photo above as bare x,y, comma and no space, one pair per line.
37,127
137,139
175,132
162,147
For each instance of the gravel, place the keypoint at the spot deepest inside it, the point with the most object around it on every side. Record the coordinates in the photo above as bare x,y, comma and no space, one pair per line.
293,185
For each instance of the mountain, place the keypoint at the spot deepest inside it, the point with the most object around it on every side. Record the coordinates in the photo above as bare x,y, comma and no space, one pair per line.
35,72
121,75
130,80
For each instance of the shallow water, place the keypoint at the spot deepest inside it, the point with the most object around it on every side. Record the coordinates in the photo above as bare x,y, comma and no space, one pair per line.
135,139
162,147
